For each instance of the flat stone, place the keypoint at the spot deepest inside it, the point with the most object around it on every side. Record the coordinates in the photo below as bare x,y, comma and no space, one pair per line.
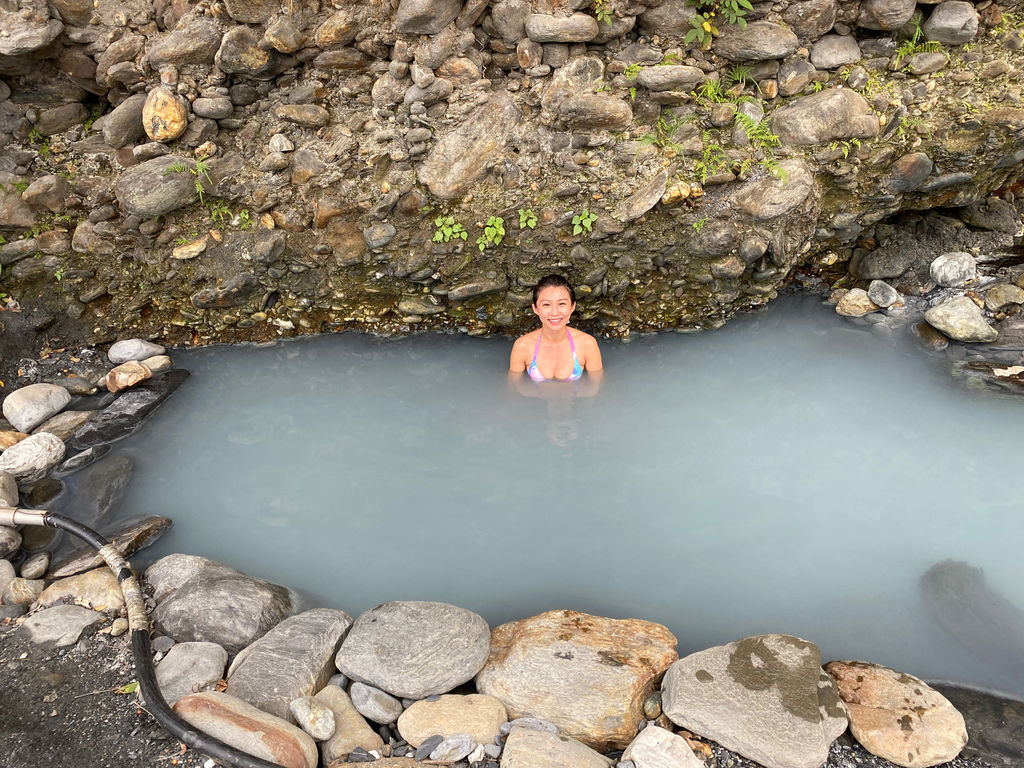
214,107
313,716
374,704
32,458
194,41
306,115
232,292
953,269
61,625
670,77
575,28
927,62
595,111
190,668
993,214
453,748
129,536
765,697
898,717
961,319
656,747
527,748
245,727
99,588
153,188
127,375
294,659
28,407
19,37
835,114
885,14
478,715
65,424
953,22
758,41
856,303
471,289
773,197
415,649
132,349
351,731
127,413
586,674
59,119
811,19
425,17
670,18
834,51
908,173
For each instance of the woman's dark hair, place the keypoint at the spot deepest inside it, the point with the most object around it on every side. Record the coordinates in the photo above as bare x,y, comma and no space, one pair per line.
553,281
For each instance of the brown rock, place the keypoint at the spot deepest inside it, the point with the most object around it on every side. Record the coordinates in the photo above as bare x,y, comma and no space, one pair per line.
855,303
165,115
243,726
99,588
127,375
64,424
339,29
9,438
478,715
898,717
350,729
586,674
306,115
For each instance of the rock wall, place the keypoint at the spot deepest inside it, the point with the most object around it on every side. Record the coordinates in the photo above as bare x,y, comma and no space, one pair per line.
244,169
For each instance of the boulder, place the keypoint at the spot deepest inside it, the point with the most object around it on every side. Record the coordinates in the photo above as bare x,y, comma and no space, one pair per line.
98,588
757,41
295,658
527,748
961,319
595,111
834,114
351,731
994,214
244,727
61,625
953,269
478,715
195,41
586,674
656,747
773,197
127,375
425,17
18,36
834,51
32,458
810,19
953,22
127,413
157,186
898,717
28,407
885,14
669,18
313,716
765,697
190,668
641,201
414,649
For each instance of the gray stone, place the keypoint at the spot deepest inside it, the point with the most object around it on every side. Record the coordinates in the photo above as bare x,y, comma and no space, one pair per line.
883,294
454,748
833,51
59,119
773,197
927,62
379,235
953,269
673,77
231,609
18,37
425,17
313,716
190,668
758,41
153,188
22,591
214,107
577,28
656,747
1003,295
953,22
28,407
641,201
595,111
415,649
61,625
49,191
811,19
794,75
765,697
374,703
351,731
885,14
171,572
194,41
14,212
527,748
670,18
908,173
8,489
835,114
306,115
473,288
7,574
32,458
35,566
132,349
994,214
293,659
10,539
961,319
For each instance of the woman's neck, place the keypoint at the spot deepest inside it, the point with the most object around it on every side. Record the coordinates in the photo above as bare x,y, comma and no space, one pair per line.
554,335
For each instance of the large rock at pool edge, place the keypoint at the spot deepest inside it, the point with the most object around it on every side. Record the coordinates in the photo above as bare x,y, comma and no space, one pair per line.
961,319
28,407
898,717
415,649
765,697
127,413
586,674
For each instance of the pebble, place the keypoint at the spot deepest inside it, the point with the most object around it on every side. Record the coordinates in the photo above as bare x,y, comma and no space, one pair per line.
313,716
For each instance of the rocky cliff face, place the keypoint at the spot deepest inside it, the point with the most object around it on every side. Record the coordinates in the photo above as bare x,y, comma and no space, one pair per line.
242,169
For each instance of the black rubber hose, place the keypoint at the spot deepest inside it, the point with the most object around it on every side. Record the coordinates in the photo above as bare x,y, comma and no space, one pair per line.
143,654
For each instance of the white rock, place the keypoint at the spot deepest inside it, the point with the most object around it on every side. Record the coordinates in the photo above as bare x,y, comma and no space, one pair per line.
132,349
32,458
953,269
656,747
30,406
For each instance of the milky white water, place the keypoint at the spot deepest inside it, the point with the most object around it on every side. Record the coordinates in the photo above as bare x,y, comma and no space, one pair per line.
790,472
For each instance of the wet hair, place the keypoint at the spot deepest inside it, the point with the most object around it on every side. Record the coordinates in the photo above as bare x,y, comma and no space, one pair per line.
553,281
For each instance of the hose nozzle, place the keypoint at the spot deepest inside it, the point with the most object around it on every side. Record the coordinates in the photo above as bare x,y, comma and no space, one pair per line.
12,516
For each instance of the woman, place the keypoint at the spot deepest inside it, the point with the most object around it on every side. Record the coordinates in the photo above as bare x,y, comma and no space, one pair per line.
555,352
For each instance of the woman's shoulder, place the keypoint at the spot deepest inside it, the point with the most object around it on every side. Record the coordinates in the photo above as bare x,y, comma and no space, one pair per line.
579,336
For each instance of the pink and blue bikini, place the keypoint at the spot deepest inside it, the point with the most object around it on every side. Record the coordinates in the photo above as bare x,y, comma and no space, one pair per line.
534,371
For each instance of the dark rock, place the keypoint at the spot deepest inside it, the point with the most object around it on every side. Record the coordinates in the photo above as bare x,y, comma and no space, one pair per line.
126,414
154,188
59,119
234,292
123,125
994,214
425,17
129,536
670,18
94,494
908,173
379,235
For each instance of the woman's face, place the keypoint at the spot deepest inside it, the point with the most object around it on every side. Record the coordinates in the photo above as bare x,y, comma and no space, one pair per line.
553,307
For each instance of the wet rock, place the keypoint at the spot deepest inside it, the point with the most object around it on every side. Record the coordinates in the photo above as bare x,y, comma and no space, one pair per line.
908,173
295,658
379,235
527,748
128,536
32,458
194,42
758,41
35,566
552,666
834,51
577,28
463,156
132,349
641,201
351,731
19,591
478,715
856,303
772,197
313,716
415,649
19,36
953,22
127,413
953,269
190,668
123,125
155,187
375,704
885,14
765,697
97,491
243,726
10,539
961,319
164,115
898,717
883,294
656,747
1003,295
61,625
8,490
595,110
673,77
98,588
835,114
811,19
233,292
425,17
994,214
28,407
127,375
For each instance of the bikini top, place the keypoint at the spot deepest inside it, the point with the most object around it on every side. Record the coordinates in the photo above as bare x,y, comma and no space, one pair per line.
534,372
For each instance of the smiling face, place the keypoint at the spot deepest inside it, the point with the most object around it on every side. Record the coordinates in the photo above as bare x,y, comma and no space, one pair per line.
554,307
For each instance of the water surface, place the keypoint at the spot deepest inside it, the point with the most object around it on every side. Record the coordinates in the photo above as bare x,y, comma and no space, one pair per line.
790,472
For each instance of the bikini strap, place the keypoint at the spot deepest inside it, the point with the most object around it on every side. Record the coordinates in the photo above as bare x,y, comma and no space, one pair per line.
572,346
536,349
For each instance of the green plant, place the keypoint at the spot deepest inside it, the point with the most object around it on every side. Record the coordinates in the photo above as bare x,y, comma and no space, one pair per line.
632,71
602,12
58,275
583,222
527,218
713,160
817,85
739,75
757,132
914,45
21,186
698,225
446,229
704,29
663,133
847,146
711,92
201,170
34,136
219,212
94,115
670,58
243,219
493,234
